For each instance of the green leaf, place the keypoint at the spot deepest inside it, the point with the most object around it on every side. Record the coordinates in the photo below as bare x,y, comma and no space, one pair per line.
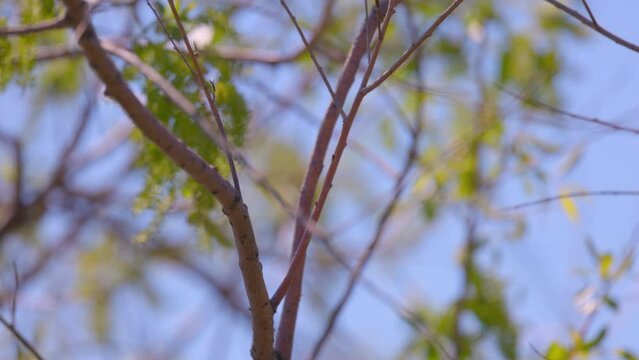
557,352
612,303
627,355
388,135
605,265
601,335
232,104
62,78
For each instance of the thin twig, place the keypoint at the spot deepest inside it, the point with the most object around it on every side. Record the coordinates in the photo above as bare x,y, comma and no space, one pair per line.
21,339
153,75
366,256
356,273
299,255
571,195
310,118
286,330
368,37
384,297
271,58
592,16
171,40
571,115
294,275
14,298
594,26
317,65
209,97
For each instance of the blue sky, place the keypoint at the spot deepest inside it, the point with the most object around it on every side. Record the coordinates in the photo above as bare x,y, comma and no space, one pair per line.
544,268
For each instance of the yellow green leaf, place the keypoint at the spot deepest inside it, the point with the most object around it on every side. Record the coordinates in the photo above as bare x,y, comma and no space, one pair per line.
605,264
570,208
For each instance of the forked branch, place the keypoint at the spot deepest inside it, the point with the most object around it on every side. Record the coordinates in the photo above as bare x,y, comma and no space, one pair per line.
593,25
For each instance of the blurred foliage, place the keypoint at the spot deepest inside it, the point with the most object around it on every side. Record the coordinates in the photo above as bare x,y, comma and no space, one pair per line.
475,137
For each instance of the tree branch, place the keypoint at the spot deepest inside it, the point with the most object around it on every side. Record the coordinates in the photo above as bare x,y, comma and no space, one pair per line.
52,24
592,16
368,253
292,283
21,338
594,26
571,115
196,167
199,76
339,105
271,58
571,195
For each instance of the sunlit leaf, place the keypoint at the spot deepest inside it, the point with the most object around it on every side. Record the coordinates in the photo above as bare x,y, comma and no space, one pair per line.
570,208
557,351
605,265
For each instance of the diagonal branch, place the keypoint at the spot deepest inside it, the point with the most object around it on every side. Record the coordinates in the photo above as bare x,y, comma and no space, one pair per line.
594,25
339,105
199,76
196,167
21,338
592,16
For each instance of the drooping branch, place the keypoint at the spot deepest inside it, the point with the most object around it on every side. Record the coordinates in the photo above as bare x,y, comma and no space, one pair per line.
272,58
195,166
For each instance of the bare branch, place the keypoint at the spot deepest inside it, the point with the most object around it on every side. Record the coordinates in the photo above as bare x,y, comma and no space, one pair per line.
337,104
21,338
196,167
351,65
571,195
199,76
292,283
571,115
272,58
171,92
594,26
592,16
368,253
